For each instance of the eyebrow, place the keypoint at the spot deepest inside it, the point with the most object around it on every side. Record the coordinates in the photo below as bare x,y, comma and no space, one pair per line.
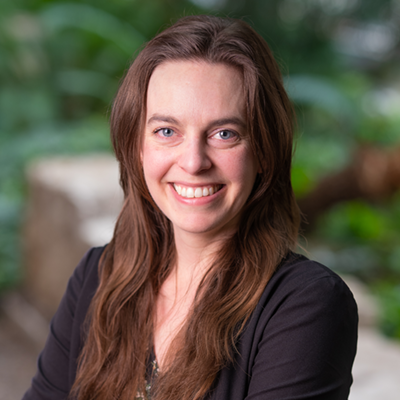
162,118
221,121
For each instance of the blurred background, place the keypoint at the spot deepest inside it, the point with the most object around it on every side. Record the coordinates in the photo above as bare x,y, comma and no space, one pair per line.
60,66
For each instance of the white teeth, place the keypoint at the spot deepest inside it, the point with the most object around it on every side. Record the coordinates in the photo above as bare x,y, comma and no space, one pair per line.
178,189
197,192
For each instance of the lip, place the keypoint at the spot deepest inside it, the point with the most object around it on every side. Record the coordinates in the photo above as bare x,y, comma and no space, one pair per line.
196,200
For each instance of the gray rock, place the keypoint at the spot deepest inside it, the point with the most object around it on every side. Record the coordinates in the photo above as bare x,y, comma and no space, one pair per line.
376,367
73,204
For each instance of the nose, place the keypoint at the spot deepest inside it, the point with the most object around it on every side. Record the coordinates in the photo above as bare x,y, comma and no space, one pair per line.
194,157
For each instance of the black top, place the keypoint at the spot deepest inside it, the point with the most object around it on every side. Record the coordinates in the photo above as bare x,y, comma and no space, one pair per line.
299,343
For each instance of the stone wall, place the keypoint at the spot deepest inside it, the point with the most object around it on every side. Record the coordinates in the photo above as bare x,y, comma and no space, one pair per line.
73,205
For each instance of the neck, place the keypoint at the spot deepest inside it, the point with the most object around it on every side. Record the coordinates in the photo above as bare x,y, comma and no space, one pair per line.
195,254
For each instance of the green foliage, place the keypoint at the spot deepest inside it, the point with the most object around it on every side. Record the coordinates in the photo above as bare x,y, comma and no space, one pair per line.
388,294
317,155
356,221
61,62
364,240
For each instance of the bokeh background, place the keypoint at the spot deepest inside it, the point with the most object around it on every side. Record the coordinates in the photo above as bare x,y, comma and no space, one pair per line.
61,62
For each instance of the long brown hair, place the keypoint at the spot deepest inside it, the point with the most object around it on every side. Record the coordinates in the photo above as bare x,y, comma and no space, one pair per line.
142,252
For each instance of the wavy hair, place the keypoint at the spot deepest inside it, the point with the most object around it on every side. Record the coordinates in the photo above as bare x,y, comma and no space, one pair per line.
119,331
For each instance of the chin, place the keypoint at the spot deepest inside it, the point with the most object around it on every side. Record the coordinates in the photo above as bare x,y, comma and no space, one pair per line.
203,227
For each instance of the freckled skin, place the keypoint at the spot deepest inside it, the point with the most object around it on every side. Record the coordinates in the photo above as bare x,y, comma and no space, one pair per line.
195,135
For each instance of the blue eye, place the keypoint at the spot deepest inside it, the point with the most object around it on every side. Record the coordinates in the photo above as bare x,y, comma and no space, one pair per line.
225,135
165,132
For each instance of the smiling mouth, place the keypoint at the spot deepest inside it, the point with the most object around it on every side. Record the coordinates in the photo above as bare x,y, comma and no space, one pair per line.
196,192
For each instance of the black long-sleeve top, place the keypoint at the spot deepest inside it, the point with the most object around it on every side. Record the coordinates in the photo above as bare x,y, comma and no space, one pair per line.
299,343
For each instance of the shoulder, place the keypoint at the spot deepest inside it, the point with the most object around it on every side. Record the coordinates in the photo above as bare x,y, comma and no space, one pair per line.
297,276
88,266
81,288
300,268
69,321
303,332
84,282
300,340
58,361
307,298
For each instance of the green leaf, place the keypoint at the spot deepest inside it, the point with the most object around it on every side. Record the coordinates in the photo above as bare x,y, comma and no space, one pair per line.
57,17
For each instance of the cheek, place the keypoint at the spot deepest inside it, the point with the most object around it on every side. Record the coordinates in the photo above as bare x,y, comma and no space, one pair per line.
241,168
155,164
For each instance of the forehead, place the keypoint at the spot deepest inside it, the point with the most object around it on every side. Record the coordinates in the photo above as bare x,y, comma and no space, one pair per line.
195,87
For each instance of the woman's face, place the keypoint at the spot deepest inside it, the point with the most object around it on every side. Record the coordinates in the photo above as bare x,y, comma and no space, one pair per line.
196,156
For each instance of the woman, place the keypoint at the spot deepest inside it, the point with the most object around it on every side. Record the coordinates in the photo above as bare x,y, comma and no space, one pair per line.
198,295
